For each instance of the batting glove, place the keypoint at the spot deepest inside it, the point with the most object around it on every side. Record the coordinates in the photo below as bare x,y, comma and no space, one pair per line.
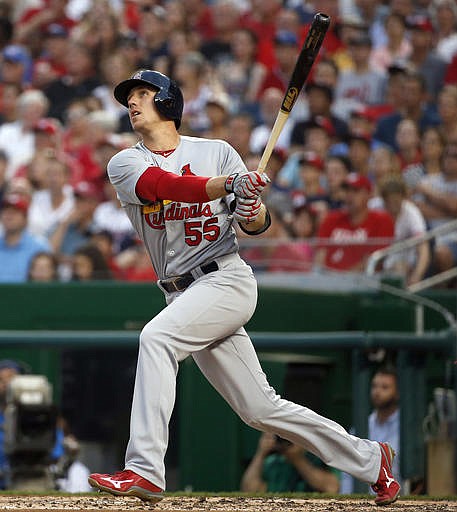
247,210
248,185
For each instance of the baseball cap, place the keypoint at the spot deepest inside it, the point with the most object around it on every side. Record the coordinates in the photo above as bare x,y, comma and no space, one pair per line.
10,364
419,22
17,201
86,190
357,181
17,54
47,125
311,158
359,135
286,38
321,122
364,112
221,99
56,30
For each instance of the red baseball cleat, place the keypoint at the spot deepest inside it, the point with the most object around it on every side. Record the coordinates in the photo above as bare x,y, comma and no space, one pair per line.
126,483
386,488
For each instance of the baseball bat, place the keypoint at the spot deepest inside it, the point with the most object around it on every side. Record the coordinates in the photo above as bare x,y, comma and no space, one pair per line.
308,54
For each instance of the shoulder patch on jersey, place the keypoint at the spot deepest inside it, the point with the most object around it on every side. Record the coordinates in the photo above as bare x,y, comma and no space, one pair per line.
156,206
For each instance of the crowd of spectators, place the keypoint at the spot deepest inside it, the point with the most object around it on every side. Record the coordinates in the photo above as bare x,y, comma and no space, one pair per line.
368,155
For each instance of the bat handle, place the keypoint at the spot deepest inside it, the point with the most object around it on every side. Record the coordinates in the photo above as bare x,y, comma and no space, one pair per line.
280,121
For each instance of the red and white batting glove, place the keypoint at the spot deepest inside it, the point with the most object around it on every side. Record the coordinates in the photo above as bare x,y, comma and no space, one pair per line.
247,210
248,185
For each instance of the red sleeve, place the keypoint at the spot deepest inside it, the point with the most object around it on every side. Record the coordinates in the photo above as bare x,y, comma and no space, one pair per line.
155,184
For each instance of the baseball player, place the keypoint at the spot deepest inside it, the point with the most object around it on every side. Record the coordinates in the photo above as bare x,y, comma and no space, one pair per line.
182,195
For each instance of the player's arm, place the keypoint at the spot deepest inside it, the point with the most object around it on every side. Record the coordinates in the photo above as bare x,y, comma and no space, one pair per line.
156,184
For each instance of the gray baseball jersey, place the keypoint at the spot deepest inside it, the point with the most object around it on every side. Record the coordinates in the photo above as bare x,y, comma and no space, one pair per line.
179,236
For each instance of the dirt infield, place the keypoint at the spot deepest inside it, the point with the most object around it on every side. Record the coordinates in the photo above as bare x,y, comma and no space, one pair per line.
218,504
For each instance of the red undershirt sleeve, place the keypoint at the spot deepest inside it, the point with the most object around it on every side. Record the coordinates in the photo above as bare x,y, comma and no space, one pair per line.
156,184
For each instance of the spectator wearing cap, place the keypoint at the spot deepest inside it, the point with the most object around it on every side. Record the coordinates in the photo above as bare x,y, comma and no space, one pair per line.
34,21
360,85
17,245
320,100
269,105
436,197
397,47
359,151
76,228
318,136
412,104
16,66
79,81
218,112
348,236
423,56
51,63
17,138
312,193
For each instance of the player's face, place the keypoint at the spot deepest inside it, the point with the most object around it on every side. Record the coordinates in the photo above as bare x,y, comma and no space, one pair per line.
384,391
142,110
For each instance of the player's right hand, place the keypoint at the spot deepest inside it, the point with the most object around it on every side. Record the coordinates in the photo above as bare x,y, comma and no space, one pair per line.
248,185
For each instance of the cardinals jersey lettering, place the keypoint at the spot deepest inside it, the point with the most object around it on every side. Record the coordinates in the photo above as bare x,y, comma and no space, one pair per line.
179,236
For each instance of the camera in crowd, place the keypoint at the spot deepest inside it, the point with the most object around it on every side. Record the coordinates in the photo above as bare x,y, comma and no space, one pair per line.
30,433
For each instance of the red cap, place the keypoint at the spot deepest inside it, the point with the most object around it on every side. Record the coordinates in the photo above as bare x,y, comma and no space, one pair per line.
357,181
322,122
16,201
359,135
86,190
364,112
311,158
420,22
47,125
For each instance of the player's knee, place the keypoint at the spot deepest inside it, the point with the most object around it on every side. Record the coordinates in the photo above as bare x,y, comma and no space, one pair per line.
257,417
149,334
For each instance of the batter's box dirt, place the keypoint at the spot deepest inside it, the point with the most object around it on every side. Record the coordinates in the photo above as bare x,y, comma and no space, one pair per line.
103,502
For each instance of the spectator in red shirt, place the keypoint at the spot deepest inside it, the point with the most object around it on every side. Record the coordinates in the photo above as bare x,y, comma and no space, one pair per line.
354,232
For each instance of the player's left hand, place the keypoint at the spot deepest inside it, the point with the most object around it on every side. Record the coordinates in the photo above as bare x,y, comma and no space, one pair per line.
247,210
248,185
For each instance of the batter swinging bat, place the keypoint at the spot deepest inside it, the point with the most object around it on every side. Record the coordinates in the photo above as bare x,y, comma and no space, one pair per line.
305,60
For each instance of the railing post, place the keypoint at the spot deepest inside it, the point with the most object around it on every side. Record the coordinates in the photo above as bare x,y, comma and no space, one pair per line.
360,402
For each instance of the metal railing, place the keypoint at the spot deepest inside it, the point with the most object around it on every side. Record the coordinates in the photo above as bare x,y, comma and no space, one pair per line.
410,243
